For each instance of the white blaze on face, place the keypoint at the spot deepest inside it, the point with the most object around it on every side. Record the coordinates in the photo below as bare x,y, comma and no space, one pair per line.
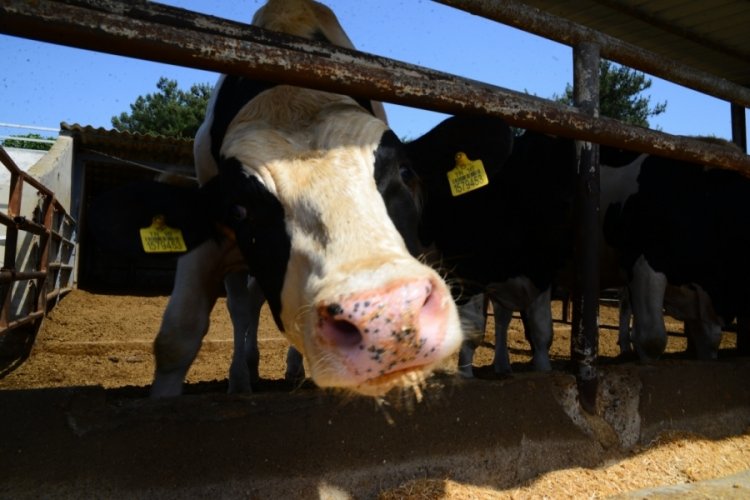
354,301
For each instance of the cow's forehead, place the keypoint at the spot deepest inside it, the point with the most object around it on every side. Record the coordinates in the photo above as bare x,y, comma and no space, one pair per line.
316,133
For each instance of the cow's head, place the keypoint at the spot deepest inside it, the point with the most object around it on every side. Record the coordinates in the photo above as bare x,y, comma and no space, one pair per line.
329,228
324,217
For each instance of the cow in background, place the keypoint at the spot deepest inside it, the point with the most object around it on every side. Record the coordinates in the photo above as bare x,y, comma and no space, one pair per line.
508,239
680,231
685,258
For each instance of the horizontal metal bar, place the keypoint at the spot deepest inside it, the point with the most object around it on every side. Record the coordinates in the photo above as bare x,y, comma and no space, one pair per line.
31,317
54,266
29,127
8,276
276,57
59,292
11,165
533,20
23,224
58,237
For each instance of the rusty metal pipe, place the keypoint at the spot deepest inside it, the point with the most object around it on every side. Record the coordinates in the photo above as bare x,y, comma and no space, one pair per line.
205,43
536,21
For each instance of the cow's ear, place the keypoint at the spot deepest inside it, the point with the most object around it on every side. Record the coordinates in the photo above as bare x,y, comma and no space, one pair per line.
484,138
116,218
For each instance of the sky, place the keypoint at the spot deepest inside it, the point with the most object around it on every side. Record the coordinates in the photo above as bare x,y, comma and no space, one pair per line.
43,84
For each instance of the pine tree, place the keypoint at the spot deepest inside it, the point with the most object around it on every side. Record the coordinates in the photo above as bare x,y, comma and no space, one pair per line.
169,112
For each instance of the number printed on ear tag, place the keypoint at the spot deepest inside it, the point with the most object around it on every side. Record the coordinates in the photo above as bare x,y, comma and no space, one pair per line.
160,238
467,175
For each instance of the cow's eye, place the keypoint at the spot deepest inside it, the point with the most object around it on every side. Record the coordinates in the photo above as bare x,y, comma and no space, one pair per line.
238,213
407,174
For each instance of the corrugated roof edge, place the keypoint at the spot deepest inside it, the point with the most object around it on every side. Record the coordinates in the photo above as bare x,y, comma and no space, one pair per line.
131,145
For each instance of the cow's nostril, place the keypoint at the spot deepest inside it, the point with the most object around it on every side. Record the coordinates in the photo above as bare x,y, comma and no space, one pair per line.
341,333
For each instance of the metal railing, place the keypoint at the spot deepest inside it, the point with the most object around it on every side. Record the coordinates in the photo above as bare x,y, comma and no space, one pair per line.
152,31
38,261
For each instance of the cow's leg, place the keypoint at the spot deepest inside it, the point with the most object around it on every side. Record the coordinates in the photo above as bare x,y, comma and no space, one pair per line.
503,315
473,322
295,368
537,326
244,300
704,331
624,335
647,289
186,318
703,339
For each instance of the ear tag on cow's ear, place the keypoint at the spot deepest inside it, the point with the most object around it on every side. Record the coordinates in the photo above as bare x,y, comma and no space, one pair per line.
467,175
160,238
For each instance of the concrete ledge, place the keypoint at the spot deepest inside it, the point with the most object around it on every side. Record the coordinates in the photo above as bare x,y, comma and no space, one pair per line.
63,442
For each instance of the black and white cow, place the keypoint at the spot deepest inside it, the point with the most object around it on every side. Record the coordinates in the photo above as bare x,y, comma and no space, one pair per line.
680,231
508,239
307,187
696,251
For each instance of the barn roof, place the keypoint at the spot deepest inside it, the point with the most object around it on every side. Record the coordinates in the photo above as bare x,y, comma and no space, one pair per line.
710,36
129,146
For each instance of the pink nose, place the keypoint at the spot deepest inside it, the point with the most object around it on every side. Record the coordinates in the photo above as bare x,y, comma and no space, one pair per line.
384,331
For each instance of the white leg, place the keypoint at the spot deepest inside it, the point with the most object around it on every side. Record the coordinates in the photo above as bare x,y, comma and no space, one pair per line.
186,318
647,289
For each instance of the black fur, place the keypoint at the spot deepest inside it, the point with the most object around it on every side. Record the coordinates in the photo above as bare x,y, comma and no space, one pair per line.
255,215
518,225
692,224
392,171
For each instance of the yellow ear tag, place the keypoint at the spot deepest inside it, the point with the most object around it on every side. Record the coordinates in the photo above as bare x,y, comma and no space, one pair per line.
160,238
467,175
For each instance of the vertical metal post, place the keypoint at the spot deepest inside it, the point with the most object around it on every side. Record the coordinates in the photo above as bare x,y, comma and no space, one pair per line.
739,127
584,340
739,137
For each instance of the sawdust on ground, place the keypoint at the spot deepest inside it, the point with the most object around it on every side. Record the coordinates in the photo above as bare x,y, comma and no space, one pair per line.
95,339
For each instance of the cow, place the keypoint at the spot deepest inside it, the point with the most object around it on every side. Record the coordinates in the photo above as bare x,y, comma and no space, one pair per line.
307,191
680,232
312,195
651,289
515,259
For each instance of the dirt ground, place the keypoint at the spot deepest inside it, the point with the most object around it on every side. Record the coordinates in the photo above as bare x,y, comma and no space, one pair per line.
94,339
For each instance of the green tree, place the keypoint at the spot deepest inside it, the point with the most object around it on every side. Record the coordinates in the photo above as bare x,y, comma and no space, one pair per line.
620,90
17,141
170,111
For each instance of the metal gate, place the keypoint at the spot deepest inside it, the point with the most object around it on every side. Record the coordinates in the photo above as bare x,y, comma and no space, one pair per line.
38,262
